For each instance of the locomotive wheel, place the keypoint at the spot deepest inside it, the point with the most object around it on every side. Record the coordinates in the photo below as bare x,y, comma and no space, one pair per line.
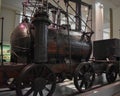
84,77
111,73
36,80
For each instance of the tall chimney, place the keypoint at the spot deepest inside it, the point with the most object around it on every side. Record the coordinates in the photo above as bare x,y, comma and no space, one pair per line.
40,23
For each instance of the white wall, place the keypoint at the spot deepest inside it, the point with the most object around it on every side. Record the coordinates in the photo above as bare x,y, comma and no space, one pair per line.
11,19
116,22
0,5
106,20
99,19
9,23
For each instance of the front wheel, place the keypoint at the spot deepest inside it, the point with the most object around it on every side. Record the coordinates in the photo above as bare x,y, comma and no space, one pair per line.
36,80
84,76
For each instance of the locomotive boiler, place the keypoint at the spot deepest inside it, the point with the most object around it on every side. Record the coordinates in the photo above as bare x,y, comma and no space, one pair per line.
22,41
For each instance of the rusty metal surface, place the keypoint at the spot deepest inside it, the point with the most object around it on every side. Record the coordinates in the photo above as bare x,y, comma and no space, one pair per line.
22,42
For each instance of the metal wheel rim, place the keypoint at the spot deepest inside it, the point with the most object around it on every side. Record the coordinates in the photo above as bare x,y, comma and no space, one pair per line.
84,79
111,74
48,86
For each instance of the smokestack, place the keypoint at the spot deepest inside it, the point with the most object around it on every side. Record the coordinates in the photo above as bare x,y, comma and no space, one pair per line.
40,23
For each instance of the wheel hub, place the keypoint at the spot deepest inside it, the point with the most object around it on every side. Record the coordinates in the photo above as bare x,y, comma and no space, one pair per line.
39,84
87,76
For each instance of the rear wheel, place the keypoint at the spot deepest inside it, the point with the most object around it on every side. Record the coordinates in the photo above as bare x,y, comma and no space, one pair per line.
84,77
36,80
111,73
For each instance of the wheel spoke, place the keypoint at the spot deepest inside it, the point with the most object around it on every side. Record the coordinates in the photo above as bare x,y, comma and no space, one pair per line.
86,85
88,69
82,83
80,73
111,74
84,77
78,78
33,78
91,77
35,93
47,89
40,93
85,69
28,92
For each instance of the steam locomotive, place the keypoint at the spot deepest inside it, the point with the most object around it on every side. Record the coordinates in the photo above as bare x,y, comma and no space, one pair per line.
43,54
63,57
41,45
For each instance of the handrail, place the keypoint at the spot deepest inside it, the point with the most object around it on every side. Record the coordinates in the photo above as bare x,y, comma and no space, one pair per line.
1,43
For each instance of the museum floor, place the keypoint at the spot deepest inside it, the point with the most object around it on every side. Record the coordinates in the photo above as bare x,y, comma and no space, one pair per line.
67,88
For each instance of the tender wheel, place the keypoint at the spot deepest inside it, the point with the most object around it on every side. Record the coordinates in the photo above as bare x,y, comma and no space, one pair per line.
111,73
84,77
36,80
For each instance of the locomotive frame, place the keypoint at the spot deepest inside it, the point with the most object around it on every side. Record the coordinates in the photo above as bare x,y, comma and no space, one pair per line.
42,75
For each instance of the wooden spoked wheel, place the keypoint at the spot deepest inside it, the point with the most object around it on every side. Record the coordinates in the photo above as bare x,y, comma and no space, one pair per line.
111,73
84,77
36,80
